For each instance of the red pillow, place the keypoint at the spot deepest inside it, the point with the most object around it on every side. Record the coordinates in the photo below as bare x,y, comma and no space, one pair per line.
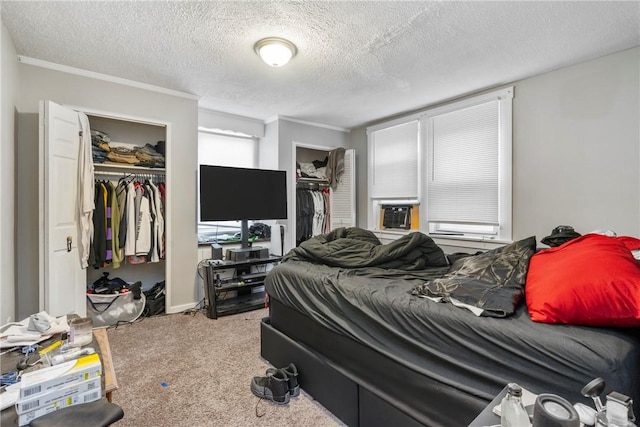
592,280
630,242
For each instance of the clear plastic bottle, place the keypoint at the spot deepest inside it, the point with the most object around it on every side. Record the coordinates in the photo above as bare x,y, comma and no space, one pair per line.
512,410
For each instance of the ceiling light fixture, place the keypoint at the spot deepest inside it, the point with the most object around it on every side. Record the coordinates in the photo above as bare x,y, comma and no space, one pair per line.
275,51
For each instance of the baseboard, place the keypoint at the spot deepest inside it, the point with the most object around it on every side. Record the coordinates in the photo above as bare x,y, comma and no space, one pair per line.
180,308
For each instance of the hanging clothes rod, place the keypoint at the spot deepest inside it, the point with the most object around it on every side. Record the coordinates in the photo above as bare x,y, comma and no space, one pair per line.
138,175
310,185
109,173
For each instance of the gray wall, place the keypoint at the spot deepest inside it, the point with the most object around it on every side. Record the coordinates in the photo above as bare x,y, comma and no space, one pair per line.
38,83
576,149
9,91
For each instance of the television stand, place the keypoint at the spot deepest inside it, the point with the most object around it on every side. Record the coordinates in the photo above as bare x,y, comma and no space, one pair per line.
246,254
236,286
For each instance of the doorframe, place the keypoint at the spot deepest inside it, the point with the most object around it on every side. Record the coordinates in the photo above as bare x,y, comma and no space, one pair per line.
292,212
167,169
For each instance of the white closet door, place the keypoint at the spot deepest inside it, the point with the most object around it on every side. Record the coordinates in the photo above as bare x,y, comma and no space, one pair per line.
343,198
62,280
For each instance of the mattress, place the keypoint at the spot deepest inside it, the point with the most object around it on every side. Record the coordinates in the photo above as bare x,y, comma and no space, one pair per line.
451,346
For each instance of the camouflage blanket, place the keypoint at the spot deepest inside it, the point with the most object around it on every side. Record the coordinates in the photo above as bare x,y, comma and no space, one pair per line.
491,281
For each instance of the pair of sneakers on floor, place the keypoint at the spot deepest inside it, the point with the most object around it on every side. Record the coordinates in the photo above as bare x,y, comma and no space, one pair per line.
279,385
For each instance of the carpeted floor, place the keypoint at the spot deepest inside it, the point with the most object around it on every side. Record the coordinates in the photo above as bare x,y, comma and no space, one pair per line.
189,370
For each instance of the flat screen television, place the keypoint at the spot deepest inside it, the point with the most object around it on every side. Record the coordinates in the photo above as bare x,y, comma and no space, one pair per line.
242,194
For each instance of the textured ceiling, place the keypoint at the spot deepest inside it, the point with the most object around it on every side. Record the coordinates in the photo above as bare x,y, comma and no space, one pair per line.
357,61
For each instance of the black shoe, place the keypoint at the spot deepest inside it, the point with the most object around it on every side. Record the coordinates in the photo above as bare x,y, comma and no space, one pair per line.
292,375
272,387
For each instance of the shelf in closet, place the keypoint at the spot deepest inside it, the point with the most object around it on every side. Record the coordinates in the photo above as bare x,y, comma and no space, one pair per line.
319,180
118,167
312,182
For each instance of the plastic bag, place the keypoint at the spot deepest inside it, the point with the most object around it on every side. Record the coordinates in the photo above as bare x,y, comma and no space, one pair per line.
111,309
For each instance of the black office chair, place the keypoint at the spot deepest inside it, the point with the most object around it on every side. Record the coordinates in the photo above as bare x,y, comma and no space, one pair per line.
100,413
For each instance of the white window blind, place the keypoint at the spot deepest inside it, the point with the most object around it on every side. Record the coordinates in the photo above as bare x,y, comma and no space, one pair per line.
394,165
217,149
463,184
225,150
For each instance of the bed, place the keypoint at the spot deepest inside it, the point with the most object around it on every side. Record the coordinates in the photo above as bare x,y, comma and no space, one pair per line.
352,314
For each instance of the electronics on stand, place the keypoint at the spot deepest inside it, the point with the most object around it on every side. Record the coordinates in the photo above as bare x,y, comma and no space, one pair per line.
245,254
216,251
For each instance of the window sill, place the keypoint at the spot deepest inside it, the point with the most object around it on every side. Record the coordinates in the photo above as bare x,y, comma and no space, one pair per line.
228,242
460,242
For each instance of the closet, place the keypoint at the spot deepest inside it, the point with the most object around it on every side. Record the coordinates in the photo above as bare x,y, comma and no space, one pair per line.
147,261
63,282
321,207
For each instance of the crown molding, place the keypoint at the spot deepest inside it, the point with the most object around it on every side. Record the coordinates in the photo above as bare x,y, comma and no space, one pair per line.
206,110
305,122
105,77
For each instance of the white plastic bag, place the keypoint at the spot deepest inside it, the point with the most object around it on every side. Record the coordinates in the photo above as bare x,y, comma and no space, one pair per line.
109,309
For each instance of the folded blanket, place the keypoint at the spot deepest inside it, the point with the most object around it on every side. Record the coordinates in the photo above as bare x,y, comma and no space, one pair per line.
355,247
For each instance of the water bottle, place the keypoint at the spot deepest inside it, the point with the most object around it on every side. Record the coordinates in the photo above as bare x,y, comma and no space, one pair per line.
512,410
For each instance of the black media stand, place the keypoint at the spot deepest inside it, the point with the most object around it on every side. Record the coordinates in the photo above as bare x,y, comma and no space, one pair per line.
242,277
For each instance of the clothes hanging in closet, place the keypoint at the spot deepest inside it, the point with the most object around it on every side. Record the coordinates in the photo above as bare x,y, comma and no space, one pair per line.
312,213
128,223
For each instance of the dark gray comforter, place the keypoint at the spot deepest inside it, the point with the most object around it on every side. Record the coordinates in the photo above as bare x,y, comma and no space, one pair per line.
356,248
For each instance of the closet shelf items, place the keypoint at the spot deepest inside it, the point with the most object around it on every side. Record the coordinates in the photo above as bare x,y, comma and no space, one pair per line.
316,169
105,150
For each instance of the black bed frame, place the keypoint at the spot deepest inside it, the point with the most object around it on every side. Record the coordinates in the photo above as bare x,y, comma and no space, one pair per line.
359,385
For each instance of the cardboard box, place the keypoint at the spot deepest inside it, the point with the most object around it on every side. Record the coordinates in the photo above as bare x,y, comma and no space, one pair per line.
86,397
53,377
40,400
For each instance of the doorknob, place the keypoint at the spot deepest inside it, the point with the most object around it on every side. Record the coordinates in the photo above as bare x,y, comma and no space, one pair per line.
69,242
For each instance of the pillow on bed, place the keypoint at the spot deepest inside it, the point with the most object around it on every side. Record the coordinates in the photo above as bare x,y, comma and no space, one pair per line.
630,242
491,281
593,280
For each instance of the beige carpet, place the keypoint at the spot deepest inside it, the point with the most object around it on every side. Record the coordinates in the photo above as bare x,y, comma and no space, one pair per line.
206,367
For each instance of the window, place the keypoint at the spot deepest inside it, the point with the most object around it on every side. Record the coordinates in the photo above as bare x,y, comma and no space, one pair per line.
224,149
463,179
394,166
